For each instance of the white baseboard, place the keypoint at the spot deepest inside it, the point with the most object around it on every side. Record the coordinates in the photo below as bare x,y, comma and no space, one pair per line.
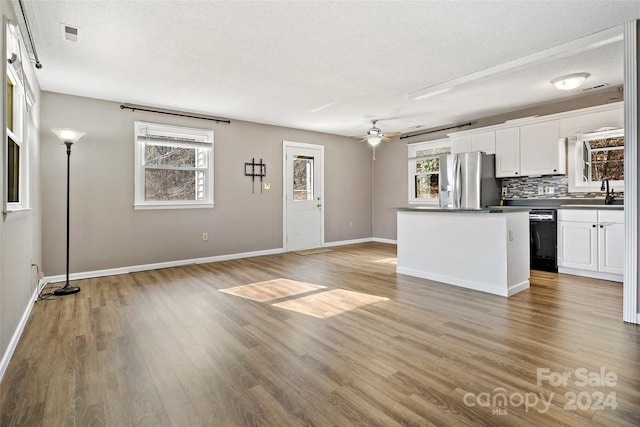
356,241
593,274
347,242
380,240
13,343
156,266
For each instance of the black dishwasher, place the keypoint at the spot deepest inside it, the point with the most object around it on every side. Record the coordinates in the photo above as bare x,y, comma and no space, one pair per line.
543,236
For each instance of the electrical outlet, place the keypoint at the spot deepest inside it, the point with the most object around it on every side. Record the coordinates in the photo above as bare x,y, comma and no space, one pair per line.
205,237
267,186
504,191
549,190
540,190
351,224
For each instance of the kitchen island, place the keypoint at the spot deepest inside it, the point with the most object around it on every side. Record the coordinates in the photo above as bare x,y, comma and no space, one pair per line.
482,249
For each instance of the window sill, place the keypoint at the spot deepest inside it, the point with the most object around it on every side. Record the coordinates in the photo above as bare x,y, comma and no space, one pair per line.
11,214
142,207
424,202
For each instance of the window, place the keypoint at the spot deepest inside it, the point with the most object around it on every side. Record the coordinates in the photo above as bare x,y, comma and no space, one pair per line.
424,170
603,158
173,167
593,157
16,147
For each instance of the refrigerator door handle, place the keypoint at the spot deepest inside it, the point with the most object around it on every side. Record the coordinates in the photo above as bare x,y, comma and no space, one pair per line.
457,191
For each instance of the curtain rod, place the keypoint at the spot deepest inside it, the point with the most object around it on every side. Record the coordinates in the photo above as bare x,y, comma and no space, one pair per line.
26,25
411,135
134,107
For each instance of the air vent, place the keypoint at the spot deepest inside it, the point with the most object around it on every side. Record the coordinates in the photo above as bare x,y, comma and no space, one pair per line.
70,34
595,87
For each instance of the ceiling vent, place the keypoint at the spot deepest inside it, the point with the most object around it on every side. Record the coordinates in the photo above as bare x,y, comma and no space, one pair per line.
603,85
70,34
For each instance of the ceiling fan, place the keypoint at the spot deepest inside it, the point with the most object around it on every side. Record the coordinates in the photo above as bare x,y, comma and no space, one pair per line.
374,135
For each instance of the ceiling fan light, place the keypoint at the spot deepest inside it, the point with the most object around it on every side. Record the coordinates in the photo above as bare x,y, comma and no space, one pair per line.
374,140
570,81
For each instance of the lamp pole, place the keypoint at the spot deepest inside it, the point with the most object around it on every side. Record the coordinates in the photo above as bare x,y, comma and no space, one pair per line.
68,137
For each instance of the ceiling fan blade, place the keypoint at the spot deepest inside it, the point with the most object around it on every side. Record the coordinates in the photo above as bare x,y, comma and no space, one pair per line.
391,134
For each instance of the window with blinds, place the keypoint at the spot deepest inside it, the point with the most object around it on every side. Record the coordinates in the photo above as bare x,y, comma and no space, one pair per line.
173,166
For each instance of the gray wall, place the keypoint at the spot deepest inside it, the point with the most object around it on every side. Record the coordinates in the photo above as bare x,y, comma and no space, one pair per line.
106,231
390,184
20,233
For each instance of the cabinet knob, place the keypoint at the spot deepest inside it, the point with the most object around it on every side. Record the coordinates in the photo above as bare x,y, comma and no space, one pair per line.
516,173
593,225
555,170
602,226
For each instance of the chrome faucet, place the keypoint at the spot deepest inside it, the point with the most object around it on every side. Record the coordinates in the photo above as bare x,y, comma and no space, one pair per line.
608,198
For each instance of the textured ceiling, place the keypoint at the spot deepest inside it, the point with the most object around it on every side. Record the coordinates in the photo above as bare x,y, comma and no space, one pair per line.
323,66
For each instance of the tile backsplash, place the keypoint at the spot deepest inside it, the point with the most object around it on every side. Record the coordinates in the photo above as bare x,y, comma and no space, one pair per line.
527,188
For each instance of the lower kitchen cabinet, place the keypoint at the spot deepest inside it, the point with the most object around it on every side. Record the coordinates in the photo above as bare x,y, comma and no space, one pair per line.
591,243
611,243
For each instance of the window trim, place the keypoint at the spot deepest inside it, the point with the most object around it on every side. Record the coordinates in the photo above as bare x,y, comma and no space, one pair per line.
184,136
414,153
19,136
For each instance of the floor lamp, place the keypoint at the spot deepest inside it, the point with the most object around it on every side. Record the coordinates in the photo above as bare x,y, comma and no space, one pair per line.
68,138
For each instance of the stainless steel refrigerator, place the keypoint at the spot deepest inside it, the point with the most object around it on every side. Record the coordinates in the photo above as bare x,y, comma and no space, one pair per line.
467,181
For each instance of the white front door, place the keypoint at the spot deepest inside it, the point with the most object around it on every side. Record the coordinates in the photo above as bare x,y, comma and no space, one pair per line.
304,200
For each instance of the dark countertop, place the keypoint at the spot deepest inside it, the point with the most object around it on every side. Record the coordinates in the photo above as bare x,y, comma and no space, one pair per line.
572,207
436,209
556,203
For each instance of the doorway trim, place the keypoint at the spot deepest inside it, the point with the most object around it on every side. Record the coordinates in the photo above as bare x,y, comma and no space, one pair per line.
287,144
631,91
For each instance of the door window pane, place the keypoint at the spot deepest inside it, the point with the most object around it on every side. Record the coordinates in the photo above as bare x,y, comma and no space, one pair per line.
303,178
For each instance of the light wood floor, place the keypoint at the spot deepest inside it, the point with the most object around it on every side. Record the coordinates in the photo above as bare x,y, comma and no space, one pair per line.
168,348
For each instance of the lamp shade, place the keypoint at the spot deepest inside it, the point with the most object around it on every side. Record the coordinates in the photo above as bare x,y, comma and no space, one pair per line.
570,81
68,135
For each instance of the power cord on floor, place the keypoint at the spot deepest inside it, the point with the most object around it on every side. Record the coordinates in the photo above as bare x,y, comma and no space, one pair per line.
42,295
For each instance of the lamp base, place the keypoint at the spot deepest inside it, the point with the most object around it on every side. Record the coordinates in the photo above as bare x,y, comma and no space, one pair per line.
66,290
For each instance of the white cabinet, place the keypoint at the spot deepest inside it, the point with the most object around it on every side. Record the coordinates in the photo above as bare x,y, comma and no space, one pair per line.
591,243
460,144
611,242
578,239
541,151
483,141
533,149
508,152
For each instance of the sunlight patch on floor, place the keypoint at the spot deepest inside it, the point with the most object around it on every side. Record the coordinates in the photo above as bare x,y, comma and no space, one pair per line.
329,303
393,261
272,289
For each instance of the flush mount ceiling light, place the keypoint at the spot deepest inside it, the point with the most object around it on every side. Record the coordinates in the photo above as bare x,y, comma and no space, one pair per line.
570,81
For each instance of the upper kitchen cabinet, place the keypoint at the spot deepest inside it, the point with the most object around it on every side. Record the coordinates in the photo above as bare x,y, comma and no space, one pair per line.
532,149
508,152
541,150
484,141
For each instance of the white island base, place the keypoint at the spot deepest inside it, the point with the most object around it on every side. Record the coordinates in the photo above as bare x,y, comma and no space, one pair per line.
484,250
